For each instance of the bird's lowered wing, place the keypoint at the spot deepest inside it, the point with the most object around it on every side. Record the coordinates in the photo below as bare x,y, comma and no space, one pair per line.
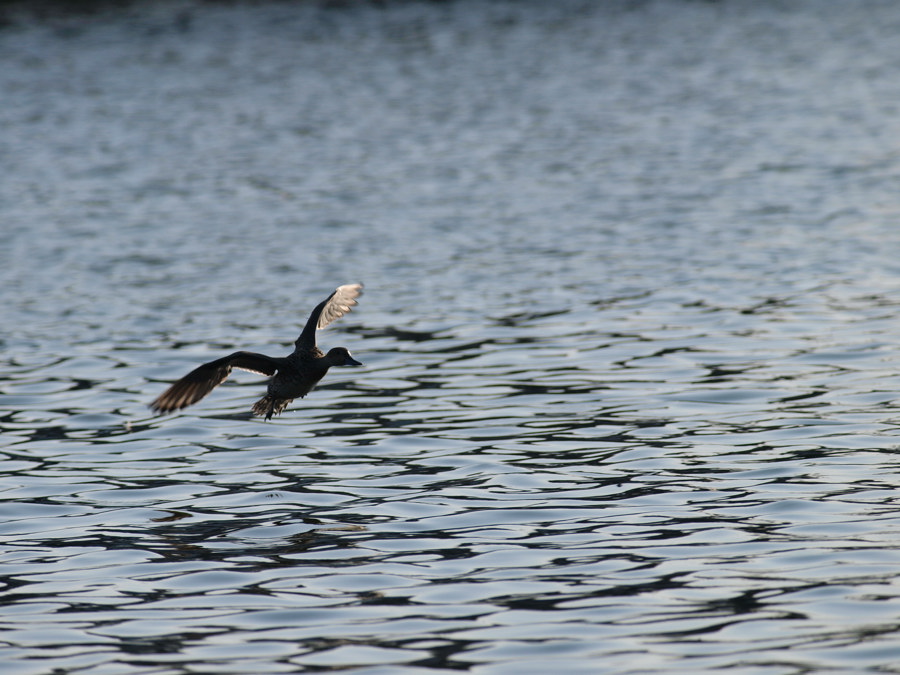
203,379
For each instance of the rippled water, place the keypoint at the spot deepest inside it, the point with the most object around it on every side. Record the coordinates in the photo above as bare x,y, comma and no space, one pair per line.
630,333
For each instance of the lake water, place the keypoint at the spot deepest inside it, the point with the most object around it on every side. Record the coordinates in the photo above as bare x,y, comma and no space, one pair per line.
630,337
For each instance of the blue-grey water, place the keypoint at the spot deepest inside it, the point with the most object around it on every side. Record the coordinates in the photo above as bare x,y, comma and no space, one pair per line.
630,335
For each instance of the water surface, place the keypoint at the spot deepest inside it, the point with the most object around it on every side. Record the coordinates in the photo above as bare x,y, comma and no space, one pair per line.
629,333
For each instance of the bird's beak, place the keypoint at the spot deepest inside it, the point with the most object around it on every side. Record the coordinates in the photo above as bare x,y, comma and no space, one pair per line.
350,361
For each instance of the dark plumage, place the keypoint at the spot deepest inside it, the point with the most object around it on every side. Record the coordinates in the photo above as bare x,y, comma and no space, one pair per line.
293,376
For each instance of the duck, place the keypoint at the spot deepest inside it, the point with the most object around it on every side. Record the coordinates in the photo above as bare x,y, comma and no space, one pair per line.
293,376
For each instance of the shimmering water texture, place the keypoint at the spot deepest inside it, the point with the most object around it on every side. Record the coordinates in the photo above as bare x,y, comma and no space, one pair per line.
630,338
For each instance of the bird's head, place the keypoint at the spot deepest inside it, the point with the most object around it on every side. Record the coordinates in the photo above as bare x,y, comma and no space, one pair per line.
340,356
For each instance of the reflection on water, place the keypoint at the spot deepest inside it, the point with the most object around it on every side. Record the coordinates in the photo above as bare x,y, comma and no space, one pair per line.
629,335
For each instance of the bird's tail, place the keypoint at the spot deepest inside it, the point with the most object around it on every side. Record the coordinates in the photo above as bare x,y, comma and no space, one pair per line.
268,405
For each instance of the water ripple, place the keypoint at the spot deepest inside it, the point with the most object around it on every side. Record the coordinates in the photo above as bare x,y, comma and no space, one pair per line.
628,402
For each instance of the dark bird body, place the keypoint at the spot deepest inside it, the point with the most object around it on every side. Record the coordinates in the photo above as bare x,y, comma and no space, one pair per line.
293,376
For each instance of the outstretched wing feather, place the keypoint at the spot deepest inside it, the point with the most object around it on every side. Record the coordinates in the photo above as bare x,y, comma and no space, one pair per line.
341,302
333,307
194,386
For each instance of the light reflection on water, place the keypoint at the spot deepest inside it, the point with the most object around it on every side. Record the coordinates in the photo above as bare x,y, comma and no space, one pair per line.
628,399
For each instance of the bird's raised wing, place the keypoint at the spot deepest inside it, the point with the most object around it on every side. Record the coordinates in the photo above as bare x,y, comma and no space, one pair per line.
203,379
333,307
